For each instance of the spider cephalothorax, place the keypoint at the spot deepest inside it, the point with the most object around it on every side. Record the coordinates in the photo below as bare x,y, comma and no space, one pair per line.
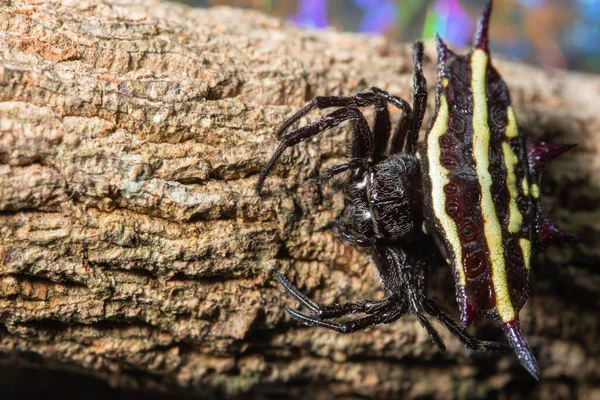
471,194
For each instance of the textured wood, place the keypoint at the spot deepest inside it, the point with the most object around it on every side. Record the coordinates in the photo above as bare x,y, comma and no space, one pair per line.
132,247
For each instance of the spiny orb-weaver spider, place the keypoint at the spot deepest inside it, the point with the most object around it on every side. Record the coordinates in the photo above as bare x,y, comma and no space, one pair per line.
471,193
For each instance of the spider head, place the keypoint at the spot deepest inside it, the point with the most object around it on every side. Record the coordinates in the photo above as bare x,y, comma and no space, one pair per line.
392,192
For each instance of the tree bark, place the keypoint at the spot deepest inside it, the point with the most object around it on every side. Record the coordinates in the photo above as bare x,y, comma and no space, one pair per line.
133,248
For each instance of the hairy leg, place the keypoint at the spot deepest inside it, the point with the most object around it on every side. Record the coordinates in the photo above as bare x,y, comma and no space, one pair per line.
347,236
408,127
360,147
470,341
371,97
338,169
433,334
352,325
378,311
334,310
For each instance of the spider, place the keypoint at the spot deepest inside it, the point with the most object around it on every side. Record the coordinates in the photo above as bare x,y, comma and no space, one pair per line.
470,195
381,210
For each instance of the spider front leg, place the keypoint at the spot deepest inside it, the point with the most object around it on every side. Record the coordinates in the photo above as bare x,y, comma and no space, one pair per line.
364,144
378,311
375,97
338,169
409,125
361,145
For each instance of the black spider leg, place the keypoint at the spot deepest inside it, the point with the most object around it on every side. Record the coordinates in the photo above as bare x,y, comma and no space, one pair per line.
381,125
470,341
413,281
433,334
400,277
411,278
378,311
336,310
328,312
408,127
354,325
354,163
360,146
372,97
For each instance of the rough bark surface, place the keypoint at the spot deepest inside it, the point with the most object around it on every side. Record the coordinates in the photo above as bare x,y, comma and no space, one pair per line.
133,248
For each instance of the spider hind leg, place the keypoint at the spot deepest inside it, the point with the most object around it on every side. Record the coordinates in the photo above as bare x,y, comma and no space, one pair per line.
403,272
468,340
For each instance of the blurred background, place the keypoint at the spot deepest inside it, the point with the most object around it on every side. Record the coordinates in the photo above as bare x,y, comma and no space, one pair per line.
548,33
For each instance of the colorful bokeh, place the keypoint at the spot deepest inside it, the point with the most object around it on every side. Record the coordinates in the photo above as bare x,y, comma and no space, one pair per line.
549,33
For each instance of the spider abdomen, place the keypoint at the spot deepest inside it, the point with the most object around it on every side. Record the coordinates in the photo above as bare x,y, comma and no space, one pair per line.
478,187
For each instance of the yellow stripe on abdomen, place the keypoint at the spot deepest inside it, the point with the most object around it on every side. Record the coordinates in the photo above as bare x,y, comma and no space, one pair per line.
481,150
511,128
515,218
525,186
438,175
525,245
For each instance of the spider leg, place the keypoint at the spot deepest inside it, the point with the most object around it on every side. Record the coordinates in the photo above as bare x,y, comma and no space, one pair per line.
399,137
399,276
397,141
363,99
294,292
381,125
360,241
336,310
470,341
371,97
381,317
410,124
338,169
433,334
360,146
